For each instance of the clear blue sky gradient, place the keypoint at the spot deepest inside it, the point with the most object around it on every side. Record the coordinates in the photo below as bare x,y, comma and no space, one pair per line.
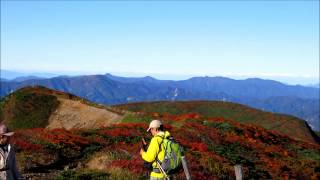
246,38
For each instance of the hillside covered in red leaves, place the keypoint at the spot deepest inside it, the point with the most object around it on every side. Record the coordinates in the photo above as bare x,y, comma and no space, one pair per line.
212,147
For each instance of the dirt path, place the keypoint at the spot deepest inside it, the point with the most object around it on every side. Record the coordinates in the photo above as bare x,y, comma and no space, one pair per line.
75,114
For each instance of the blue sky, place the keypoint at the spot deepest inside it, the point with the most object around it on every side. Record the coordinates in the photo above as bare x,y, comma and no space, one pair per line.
169,40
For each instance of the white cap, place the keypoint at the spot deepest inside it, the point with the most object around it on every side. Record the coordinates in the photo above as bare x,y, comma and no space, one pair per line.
154,124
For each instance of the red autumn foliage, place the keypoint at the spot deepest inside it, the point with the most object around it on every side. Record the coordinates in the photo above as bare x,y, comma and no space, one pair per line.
198,146
200,140
135,164
63,137
25,145
196,126
116,132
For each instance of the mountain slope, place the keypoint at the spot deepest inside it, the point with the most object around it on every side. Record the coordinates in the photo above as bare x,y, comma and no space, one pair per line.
289,125
212,136
33,107
264,94
75,114
212,147
303,108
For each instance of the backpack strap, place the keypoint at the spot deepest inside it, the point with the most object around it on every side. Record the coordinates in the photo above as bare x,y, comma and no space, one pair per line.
162,137
157,169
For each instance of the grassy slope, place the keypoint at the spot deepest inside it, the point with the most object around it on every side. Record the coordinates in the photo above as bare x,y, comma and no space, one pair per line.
285,124
31,107
27,109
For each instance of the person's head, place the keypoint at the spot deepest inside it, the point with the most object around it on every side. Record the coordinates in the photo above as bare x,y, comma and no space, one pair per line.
155,126
5,134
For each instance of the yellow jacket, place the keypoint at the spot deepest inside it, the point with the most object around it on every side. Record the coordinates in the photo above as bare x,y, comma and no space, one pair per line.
154,151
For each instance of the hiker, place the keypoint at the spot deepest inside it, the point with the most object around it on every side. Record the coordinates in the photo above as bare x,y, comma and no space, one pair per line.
8,165
156,148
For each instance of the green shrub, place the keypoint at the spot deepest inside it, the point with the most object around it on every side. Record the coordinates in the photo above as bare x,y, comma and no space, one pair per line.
128,118
309,154
32,110
91,149
224,127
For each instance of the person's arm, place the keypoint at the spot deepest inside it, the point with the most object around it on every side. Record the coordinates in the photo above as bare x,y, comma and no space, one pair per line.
153,150
15,172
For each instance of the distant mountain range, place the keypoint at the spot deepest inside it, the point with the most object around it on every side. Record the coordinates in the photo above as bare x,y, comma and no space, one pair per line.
268,95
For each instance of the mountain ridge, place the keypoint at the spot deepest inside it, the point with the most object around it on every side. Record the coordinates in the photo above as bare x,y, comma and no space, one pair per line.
257,93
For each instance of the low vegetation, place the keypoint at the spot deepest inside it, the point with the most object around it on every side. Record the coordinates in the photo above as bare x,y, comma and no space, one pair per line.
284,124
212,147
28,110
